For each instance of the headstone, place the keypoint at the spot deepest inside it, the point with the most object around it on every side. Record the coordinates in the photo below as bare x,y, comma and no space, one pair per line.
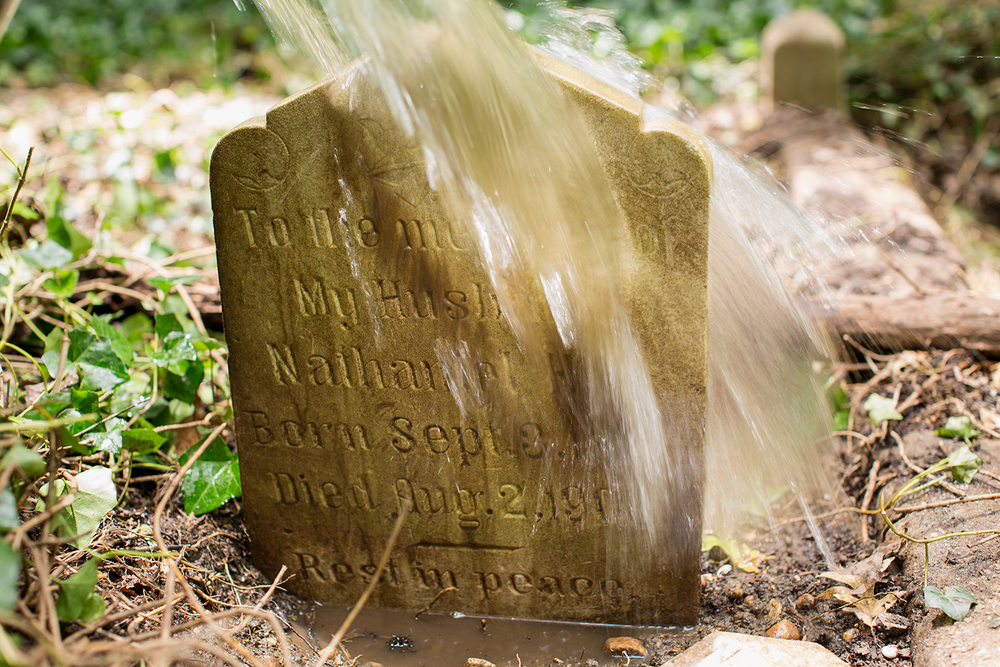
343,281
803,61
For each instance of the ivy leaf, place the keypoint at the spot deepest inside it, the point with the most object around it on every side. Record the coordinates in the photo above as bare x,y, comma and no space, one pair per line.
142,440
955,601
10,575
119,343
963,464
49,255
95,497
881,409
184,387
165,284
65,234
74,591
957,427
94,359
63,284
10,518
29,462
175,348
108,440
167,324
213,479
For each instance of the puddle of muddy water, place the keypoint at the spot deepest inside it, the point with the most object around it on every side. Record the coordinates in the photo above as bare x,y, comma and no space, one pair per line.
443,640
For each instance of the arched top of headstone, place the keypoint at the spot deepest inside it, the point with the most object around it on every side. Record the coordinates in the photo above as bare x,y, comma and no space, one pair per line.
802,61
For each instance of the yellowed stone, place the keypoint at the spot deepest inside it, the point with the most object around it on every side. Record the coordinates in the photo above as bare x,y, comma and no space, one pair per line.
803,56
339,272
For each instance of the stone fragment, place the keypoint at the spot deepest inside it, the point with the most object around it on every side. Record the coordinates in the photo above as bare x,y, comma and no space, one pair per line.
728,648
802,58
850,635
479,662
773,610
890,651
625,646
733,589
805,601
349,298
783,630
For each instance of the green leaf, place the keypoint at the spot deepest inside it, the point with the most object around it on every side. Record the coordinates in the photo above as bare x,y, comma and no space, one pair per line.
955,601
10,575
24,211
93,608
107,440
167,324
49,255
63,284
65,234
134,327
142,440
74,591
84,403
165,284
175,348
29,462
957,427
95,497
963,464
95,360
881,409
119,343
184,387
10,518
213,479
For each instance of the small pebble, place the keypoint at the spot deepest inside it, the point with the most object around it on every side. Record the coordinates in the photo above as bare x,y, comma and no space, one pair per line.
717,554
783,630
624,646
850,635
751,602
478,662
724,570
890,651
733,589
774,610
805,601
706,579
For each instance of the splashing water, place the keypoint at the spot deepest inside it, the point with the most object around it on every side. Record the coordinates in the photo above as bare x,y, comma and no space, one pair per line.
504,150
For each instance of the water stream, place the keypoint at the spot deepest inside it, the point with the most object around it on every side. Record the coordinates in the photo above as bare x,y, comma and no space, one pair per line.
511,161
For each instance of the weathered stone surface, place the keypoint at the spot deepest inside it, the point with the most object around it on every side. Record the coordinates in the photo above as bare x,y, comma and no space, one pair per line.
730,648
345,287
802,60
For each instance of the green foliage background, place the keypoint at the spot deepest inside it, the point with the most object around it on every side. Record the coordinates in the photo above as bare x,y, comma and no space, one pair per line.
93,40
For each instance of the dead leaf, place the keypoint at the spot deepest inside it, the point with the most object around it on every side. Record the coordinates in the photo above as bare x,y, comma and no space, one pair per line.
870,610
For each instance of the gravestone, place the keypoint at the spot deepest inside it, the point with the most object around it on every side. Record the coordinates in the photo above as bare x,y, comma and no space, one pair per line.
342,281
803,56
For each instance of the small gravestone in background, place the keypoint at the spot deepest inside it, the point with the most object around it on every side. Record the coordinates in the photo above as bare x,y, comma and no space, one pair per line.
343,280
803,61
